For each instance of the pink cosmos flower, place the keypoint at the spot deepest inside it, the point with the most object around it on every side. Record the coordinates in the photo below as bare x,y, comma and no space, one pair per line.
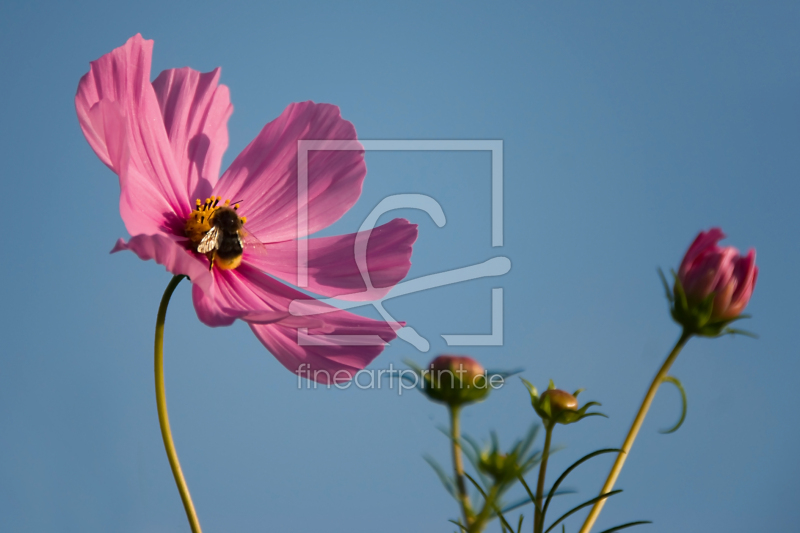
707,268
165,141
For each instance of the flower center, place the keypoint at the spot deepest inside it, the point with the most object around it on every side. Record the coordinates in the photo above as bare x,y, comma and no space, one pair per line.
215,230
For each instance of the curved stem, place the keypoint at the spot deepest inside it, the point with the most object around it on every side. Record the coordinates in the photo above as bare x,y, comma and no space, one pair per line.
538,517
635,427
458,464
161,403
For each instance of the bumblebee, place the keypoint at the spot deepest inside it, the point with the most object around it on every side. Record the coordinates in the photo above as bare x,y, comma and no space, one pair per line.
218,232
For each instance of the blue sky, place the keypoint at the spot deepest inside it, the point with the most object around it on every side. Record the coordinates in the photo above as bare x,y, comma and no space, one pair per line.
627,128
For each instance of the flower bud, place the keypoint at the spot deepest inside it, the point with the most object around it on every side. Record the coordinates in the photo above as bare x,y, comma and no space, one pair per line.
455,380
555,406
713,284
495,464
560,400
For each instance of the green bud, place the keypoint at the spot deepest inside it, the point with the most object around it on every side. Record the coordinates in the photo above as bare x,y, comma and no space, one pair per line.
560,401
555,406
505,467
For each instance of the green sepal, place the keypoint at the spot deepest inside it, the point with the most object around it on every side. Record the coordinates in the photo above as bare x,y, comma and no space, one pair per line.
545,408
737,331
696,318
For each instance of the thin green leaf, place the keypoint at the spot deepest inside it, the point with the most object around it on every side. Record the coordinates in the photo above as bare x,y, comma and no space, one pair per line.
477,486
531,388
413,366
534,459
519,526
460,525
527,489
505,374
570,469
502,518
675,381
595,414
473,453
525,501
443,477
490,503
473,443
516,505
667,288
526,442
623,526
581,506
737,331
483,493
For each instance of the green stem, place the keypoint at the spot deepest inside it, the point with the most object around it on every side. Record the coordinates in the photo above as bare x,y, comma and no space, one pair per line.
635,427
488,506
161,403
538,517
458,464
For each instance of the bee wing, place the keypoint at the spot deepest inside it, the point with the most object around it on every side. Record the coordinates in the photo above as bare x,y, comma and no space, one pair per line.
250,243
210,241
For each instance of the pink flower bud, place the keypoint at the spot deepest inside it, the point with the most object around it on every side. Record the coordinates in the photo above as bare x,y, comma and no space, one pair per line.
707,268
463,365
456,379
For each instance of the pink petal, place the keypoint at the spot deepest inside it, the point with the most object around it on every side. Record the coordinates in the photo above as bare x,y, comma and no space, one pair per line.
326,363
120,117
209,310
703,241
332,267
710,272
264,176
246,291
172,255
727,258
746,273
195,111
236,296
722,300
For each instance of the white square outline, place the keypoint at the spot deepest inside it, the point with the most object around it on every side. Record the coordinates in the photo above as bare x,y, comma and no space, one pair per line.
403,145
